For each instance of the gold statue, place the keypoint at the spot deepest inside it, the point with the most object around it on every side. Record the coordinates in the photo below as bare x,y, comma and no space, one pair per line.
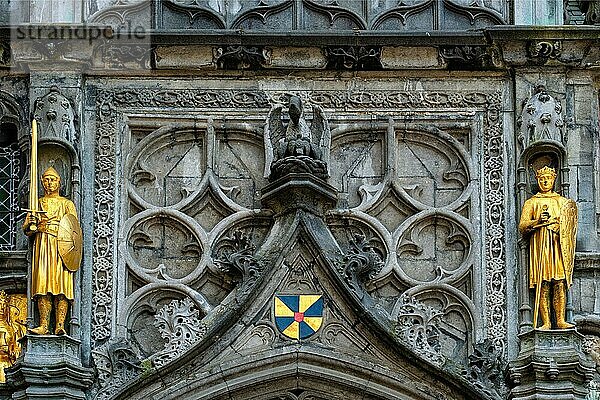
550,220
13,313
56,254
57,246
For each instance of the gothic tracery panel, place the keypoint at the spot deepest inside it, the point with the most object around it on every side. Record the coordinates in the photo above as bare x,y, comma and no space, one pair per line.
406,218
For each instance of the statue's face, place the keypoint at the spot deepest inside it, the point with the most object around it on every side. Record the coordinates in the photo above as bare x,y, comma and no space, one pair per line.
51,183
546,182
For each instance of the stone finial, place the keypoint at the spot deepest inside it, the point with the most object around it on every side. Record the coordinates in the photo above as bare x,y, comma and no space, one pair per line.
541,119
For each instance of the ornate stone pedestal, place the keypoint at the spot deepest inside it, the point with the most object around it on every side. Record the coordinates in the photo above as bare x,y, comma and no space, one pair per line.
299,191
550,366
50,369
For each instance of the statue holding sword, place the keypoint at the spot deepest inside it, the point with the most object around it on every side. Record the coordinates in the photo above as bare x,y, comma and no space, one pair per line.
53,221
550,222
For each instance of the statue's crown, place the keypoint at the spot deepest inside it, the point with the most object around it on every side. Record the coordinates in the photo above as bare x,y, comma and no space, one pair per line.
51,171
545,171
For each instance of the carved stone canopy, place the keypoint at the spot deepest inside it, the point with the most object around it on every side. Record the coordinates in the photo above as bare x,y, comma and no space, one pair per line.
56,116
541,120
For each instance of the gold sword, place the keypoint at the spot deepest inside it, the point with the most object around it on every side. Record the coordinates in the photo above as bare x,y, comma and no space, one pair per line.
33,175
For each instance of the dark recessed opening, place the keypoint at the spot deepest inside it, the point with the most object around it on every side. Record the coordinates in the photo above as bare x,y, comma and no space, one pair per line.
8,134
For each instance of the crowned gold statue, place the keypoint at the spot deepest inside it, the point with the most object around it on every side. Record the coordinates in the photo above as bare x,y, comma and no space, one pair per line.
56,253
13,313
550,221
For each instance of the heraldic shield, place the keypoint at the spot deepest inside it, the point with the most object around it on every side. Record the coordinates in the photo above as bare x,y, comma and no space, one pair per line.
69,242
298,316
568,233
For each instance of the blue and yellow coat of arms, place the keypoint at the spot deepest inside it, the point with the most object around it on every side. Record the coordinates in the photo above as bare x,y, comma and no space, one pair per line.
298,316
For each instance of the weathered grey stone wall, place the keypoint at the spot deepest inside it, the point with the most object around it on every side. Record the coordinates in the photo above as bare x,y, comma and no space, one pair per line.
414,245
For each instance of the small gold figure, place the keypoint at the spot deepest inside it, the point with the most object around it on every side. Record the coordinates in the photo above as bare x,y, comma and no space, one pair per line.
13,310
550,220
56,254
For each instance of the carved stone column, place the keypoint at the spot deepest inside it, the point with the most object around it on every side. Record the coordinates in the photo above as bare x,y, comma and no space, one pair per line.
56,367
550,366
50,369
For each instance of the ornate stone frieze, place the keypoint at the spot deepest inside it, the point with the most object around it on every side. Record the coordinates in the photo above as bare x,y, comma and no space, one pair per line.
125,56
541,119
241,57
358,58
495,226
102,303
56,116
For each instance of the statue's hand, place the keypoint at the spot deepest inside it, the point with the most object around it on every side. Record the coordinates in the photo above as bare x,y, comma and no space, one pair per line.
544,217
32,222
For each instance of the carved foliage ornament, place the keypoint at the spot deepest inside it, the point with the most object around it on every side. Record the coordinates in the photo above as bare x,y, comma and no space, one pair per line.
468,57
179,323
418,327
486,370
234,257
363,261
544,49
359,58
116,364
241,57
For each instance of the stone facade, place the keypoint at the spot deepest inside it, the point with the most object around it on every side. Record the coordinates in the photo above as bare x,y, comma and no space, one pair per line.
398,205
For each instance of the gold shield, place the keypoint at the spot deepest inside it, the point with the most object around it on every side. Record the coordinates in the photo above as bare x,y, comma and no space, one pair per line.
568,233
69,242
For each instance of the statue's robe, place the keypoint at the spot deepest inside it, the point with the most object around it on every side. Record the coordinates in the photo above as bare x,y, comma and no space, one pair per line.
545,256
49,275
